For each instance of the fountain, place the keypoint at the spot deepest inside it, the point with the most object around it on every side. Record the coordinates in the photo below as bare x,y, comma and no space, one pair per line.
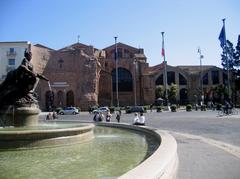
18,104
19,113
73,150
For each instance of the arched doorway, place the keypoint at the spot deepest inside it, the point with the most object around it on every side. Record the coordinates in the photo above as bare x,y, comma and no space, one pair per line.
70,98
60,99
49,99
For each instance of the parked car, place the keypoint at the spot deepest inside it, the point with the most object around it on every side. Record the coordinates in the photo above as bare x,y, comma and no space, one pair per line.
137,109
68,110
101,109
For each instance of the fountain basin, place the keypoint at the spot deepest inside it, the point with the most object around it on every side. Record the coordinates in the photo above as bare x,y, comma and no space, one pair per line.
20,116
22,138
108,155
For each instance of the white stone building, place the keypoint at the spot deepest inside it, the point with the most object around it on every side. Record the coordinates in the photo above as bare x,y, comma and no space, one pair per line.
11,55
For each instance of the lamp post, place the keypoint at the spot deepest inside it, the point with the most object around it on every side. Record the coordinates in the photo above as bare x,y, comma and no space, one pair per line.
116,61
201,77
135,80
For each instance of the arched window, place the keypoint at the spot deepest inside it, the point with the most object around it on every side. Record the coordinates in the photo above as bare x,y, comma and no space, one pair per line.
205,79
159,80
70,98
182,80
49,99
60,99
170,77
125,82
215,77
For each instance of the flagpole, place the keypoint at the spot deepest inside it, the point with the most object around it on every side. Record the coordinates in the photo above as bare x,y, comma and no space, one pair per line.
165,69
226,53
116,61
201,76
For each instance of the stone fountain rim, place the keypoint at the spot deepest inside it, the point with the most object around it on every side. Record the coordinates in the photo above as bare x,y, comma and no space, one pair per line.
162,164
44,133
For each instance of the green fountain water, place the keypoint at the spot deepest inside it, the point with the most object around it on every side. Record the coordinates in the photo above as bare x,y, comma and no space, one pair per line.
110,154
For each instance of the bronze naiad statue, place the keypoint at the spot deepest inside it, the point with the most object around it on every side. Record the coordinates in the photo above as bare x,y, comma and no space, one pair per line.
18,87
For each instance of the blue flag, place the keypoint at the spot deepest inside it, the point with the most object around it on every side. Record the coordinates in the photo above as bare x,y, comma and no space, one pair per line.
222,37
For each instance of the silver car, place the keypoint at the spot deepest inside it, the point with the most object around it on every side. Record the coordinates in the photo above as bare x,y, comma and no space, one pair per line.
68,110
101,109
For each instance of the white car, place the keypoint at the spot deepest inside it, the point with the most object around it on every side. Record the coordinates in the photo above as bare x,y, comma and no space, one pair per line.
68,110
101,109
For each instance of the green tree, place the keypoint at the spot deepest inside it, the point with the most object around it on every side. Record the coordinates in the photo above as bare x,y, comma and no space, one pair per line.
172,94
159,92
230,58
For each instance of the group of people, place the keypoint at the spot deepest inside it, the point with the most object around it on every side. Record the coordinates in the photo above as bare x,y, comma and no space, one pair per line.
51,115
139,120
99,116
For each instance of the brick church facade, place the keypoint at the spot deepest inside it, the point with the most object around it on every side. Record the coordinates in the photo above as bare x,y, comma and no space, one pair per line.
81,75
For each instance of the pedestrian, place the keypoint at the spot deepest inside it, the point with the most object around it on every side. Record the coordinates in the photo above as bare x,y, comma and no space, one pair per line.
55,116
49,116
118,117
151,106
96,117
101,117
136,118
142,119
108,116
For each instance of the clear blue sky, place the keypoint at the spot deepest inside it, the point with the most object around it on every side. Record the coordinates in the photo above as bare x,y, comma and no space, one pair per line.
187,24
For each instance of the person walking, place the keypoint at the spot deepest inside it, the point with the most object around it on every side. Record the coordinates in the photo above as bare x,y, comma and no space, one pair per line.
118,117
108,116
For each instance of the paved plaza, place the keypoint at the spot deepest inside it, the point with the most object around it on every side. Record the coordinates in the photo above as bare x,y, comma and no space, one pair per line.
208,145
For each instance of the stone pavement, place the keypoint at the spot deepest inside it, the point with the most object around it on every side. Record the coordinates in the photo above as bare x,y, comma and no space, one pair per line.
208,145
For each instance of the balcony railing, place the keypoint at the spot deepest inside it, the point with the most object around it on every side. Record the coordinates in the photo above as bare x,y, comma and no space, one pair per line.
12,54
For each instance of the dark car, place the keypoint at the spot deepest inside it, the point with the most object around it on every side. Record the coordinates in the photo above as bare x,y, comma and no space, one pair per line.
137,109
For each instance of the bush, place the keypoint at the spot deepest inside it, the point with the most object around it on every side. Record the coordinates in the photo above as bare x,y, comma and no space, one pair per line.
219,106
128,109
58,109
174,108
159,109
189,107
203,107
79,109
145,109
112,109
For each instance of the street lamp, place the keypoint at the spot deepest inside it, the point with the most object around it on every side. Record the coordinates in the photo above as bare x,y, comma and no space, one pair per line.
201,77
135,80
116,61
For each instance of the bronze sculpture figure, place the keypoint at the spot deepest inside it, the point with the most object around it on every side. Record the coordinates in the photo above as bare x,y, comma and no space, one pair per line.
18,87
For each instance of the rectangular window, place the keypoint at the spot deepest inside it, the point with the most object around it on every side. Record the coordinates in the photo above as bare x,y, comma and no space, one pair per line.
120,53
11,50
11,62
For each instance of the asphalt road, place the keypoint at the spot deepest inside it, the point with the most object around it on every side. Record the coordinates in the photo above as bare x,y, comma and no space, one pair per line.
208,145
